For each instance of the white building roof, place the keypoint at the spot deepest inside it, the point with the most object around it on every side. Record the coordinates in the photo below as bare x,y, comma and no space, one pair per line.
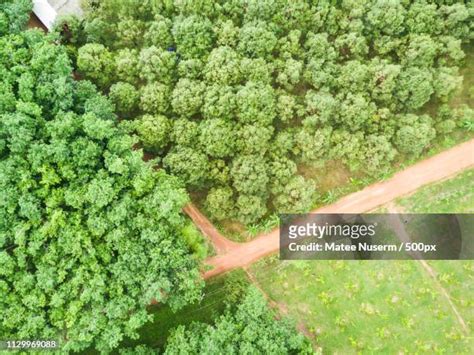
45,12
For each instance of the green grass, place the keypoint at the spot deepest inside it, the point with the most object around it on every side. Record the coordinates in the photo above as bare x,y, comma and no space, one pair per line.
453,195
369,307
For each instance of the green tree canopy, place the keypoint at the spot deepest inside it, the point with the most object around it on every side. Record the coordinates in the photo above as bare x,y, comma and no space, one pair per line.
89,233
251,329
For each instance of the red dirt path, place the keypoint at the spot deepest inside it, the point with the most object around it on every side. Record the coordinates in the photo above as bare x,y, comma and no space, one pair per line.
221,244
438,167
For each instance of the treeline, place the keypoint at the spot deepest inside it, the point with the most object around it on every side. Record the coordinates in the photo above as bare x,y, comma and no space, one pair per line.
233,96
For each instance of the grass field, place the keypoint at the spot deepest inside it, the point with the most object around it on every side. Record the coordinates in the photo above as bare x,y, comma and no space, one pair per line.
369,307
453,195
383,306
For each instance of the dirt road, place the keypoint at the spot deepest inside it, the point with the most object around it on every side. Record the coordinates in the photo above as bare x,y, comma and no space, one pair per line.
221,244
433,169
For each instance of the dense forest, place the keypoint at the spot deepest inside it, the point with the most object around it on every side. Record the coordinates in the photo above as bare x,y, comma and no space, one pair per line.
89,233
234,96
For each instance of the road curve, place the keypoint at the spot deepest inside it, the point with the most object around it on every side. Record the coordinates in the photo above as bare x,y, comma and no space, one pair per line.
438,167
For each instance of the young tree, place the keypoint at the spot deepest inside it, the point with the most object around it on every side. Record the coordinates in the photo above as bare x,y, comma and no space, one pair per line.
256,103
250,175
217,137
154,132
220,203
187,97
189,165
193,36
96,62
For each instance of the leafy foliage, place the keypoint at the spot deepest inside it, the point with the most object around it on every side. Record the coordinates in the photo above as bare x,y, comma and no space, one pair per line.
265,81
89,233
251,329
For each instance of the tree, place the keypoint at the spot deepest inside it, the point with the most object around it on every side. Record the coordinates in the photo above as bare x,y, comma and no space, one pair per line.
254,139
446,80
190,68
321,108
414,87
154,132
287,107
256,70
251,329
220,203
158,33
96,62
189,165
185,132
125,97
249,175
186,98
219,172
289,73
155,98
297,196
217,138
414,134
423,18
126,65
250,209
157,65
356,112
85,223
313,145
281,171
387,17
130,33
376,154
256,103
14,15
223,66
256,40
193,36
219,102
421,51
